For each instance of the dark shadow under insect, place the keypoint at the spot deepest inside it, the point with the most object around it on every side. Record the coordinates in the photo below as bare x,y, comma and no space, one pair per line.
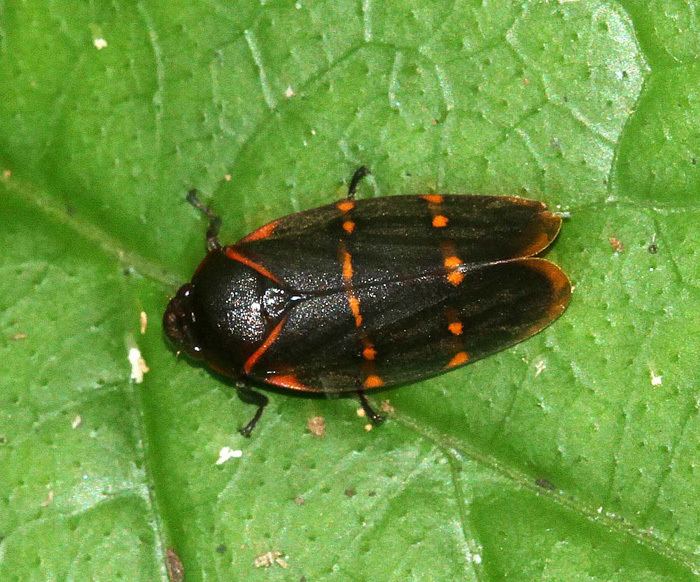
368,294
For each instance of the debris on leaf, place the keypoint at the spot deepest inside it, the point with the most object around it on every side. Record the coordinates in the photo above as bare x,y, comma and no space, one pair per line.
268,558
616,244
76,422
653,248
173,564
317,426
540,366
545,484
386,406
138,365
227,453
49,499
143,322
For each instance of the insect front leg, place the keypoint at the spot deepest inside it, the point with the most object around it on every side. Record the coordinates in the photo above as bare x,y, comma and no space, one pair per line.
374,416
214,220
250,396
360,173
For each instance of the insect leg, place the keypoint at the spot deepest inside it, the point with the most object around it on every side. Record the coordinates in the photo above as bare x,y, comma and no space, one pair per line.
214,220
375,417
360,173
250,396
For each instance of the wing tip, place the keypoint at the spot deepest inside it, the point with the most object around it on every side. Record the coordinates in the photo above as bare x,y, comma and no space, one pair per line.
560,286
541,232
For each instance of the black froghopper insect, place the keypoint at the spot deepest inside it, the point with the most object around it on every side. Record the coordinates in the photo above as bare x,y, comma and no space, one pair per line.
365,294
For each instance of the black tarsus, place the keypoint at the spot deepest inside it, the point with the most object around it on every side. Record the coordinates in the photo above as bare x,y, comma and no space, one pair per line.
250,396
214,221
375,417
360,173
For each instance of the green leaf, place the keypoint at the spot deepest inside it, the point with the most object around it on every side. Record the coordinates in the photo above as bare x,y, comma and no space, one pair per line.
571,456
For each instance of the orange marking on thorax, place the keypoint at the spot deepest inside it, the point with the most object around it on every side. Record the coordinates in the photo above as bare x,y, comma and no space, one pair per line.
455,328
433,198
440,221
348,226
373,381
345,206
269,340
262,232
458,359
287,381
233,254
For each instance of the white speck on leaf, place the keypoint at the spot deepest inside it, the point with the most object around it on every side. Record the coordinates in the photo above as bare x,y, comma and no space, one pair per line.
656,379
227,453
540,366
268,558
76,422
138,365
289,92
49,499
99,43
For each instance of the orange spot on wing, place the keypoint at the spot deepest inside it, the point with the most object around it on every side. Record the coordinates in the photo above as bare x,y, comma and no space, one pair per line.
287,381
346,259
269,340
235,255
373,381
353,301
455,277
345,206
348,226
452,262
369,353
440,221
433,198
261,233
455,328
458,359
355,308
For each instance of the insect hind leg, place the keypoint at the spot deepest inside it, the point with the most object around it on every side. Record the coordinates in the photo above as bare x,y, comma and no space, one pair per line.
360,173
214,220
250,396
374,416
